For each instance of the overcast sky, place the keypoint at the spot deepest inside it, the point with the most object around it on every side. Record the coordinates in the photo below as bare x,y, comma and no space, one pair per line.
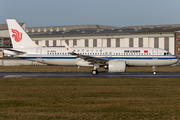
119,13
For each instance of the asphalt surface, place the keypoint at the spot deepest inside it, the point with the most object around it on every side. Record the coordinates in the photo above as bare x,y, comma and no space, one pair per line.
87,74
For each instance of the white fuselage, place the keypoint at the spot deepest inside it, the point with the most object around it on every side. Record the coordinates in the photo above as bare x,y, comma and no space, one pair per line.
132,56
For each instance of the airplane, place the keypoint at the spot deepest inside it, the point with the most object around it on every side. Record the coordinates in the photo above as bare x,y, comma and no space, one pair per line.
112,59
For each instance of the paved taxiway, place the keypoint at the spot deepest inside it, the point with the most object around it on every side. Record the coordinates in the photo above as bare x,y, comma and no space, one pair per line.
87,74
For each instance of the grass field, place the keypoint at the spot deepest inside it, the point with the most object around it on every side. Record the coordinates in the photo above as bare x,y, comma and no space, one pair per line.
89,98
81,69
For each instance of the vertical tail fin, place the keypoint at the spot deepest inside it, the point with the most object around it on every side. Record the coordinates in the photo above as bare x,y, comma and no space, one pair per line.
19,37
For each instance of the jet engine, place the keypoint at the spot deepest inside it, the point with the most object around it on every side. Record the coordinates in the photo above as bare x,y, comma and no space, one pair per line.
117,66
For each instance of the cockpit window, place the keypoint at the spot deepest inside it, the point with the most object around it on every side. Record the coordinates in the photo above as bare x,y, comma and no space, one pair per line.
167,53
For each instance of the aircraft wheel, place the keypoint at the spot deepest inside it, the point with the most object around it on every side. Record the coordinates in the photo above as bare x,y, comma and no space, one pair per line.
94,72
154,73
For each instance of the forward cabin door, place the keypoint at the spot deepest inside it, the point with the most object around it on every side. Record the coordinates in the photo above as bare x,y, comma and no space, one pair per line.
110,54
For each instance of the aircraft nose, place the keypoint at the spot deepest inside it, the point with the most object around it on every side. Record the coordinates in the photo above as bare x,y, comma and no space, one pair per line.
177,60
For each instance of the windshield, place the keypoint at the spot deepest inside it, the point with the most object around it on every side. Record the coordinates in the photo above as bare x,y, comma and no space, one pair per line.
167,53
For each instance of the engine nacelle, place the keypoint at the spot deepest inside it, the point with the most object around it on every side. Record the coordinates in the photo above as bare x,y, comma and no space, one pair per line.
117,66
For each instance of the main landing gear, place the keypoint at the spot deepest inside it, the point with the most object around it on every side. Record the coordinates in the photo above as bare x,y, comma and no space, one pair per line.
154,70
95,71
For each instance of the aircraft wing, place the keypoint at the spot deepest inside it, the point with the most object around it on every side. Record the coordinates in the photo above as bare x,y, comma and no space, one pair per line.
16,51
88,58
92,60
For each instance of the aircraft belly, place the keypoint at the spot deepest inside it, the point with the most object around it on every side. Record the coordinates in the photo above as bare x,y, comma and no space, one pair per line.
155,62
67,62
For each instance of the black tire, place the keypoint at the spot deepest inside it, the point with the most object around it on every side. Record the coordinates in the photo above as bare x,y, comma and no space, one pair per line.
154,73
94,72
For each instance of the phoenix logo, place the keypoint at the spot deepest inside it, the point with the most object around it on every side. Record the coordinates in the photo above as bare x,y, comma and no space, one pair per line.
16,35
